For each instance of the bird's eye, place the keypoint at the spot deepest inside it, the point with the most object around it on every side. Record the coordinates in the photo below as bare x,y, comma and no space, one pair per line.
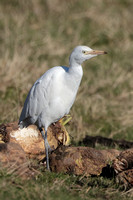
84,52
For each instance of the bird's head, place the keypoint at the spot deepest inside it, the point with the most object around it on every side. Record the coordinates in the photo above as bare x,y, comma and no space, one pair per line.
82,53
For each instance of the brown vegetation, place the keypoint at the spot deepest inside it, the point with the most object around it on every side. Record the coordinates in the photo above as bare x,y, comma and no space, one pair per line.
36,35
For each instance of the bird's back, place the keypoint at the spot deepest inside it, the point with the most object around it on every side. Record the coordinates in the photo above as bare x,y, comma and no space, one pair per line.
49,99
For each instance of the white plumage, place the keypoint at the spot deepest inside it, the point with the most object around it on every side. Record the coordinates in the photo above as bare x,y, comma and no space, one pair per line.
53,94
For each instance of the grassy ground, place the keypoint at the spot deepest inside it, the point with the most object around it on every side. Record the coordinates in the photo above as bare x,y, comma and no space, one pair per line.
38,34
58,186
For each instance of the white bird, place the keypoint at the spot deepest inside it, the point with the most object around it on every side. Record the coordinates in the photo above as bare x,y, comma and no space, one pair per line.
53,94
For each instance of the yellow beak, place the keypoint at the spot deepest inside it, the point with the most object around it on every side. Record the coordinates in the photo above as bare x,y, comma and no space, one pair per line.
97,52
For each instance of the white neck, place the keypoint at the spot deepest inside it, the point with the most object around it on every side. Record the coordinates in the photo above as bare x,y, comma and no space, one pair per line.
75,73
75,70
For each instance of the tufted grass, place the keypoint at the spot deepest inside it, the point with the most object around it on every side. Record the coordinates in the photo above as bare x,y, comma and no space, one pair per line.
36,35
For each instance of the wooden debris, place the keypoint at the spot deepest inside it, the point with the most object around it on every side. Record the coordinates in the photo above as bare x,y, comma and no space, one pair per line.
13,157
123,166
81,160
30,139
124,161
16,146
92,141
125,178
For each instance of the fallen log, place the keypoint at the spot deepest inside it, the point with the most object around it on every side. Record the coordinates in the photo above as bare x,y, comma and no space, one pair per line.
124,161
81,160
89,161
123,166
13,158
30,139
17,146
125,178
92,141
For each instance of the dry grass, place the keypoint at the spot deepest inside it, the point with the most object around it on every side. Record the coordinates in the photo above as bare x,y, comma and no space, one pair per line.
36,35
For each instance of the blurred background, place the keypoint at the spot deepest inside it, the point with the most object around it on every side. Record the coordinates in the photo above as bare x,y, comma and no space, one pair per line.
36,35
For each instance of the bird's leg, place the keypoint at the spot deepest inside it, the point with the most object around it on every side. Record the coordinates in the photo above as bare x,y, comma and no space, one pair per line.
47,147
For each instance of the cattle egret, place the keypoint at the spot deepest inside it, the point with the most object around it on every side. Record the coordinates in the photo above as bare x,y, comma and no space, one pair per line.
53,94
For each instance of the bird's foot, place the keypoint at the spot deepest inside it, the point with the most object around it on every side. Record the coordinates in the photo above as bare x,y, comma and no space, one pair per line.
63,121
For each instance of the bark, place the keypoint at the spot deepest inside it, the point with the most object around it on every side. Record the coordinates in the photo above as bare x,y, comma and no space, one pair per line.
109,142
81,160
13,158
125,178
30,139
123,166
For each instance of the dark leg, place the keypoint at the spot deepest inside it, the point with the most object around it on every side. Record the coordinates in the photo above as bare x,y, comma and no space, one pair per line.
47,147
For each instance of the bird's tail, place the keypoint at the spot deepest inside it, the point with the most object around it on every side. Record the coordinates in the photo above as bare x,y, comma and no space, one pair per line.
21,125
24,123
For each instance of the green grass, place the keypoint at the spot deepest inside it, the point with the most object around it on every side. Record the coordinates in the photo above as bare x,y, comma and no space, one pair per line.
58,186
36,35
